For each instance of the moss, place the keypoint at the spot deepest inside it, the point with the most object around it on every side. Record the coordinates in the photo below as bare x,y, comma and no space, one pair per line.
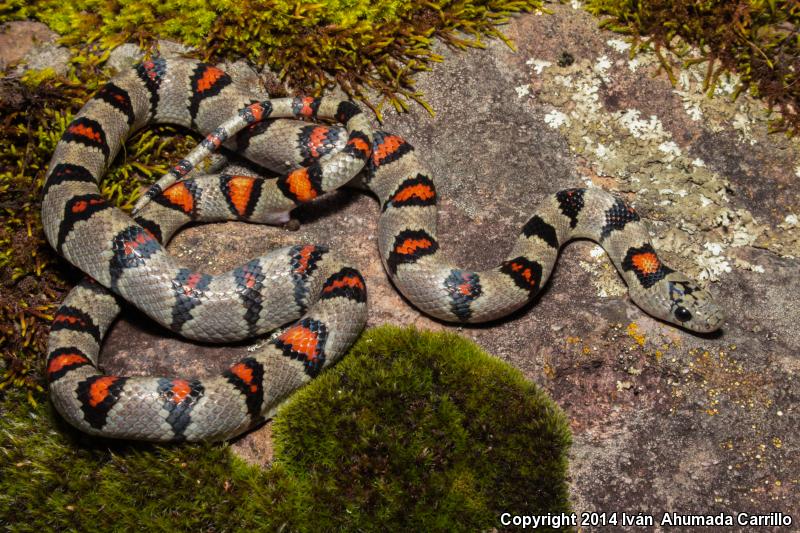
32,278
411,431
423,431
359,45
757,39
55,478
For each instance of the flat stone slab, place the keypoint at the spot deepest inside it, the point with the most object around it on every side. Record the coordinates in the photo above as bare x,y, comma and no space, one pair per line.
663,420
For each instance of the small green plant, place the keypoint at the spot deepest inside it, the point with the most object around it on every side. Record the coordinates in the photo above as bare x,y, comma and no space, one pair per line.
411,431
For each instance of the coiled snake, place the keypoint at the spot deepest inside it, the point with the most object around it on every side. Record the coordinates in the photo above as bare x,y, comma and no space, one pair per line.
308,284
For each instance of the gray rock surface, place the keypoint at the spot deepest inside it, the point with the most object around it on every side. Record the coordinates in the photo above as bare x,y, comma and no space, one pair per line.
663,420
33,46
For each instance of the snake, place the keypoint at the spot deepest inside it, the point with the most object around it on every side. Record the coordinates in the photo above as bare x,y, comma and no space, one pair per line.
313,301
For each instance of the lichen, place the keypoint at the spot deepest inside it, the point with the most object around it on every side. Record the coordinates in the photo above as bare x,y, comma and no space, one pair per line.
755,39
690,212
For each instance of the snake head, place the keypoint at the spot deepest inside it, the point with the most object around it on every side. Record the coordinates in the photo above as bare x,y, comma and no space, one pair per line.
681,301
691,306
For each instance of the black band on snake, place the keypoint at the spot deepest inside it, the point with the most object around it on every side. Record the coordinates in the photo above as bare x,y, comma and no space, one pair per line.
307,284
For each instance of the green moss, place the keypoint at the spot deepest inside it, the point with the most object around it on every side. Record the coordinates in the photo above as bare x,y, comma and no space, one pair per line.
757,39
55,478
362,46
31,276
411,431
423,431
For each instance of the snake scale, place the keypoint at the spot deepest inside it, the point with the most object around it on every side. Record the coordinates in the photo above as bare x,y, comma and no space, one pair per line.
323,299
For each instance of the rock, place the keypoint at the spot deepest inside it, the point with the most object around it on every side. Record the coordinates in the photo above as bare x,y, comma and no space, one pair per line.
11,96
124,56
33,46
172,49
48,55
19,37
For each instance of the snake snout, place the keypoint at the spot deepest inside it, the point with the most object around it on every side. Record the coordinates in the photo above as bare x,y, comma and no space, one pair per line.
709,318
691,306
701,314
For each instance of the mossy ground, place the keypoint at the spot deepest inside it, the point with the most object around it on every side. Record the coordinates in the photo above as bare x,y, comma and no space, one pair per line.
359,45
411,431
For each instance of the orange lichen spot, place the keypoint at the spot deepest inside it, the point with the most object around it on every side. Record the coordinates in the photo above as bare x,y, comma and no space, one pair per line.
180,390
347,281
646,263
420,190
300,185
179,195
99,390
390,145
410,246
65,360
209,78
240,190
302,340
633,332
85,131
245,373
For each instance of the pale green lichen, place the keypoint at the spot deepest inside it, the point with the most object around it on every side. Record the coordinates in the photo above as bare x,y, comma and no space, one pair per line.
692,216
604,277
757,39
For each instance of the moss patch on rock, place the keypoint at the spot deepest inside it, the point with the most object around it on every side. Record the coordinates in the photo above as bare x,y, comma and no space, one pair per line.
757,39
358,45
412,430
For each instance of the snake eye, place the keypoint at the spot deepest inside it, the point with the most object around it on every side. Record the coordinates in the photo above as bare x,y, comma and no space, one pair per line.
683,314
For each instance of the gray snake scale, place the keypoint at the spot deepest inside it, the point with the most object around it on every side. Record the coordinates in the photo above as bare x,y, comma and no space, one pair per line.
124,258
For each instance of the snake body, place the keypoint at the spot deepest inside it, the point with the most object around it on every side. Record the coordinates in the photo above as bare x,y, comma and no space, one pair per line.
124,257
